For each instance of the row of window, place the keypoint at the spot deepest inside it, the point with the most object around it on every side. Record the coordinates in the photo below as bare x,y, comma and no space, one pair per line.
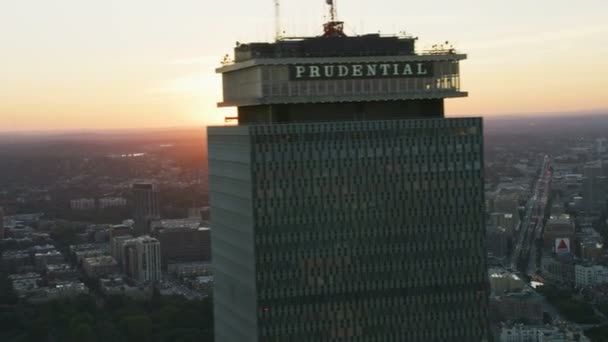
370,316
359,181
313,195
424,131
359,86
398,238
275,217
370,194
384,333
423,136
354,278
446,325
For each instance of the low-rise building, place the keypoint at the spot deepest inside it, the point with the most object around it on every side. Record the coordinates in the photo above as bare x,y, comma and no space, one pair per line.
16,260
559,270
591,243
591,250
82,255
26,284
82,204
41,249
19,231
41,260
96,267
82,251
189,269
524,306
507,199
116,285
112,202
60,273
502,282
67,289
59,290
203,283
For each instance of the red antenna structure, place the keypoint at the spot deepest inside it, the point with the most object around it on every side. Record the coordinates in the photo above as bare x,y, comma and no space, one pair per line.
334,27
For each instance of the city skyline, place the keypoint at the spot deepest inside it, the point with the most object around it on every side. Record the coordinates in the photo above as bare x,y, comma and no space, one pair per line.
113,65
345,170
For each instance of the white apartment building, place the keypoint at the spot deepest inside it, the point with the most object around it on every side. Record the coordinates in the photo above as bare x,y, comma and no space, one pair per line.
142,258
590,275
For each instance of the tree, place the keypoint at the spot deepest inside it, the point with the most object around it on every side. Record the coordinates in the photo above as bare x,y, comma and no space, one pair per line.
7,294
82,333
598,334
137,328
188,338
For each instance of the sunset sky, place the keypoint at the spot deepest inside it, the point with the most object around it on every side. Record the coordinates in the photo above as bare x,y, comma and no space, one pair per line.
72,64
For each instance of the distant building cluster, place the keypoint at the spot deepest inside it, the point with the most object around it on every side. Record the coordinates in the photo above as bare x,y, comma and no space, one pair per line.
541,333
38,272
504,207
112,202
29,286
574,254
512,299
82,204
546,228
101,203
51,254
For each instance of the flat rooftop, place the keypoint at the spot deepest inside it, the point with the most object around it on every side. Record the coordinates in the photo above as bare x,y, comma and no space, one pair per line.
356,46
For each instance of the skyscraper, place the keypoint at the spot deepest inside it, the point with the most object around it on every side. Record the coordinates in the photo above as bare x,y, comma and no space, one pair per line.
146,206
344,206
142,258
1,223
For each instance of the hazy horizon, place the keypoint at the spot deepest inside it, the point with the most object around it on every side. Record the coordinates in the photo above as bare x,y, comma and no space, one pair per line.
102,130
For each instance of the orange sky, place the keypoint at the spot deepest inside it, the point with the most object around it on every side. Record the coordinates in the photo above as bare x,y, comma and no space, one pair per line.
71,64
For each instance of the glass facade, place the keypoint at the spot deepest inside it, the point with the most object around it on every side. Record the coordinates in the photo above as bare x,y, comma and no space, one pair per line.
353,231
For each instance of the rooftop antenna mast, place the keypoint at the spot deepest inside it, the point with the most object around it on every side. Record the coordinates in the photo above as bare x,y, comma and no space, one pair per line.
333,28
277,20
333,10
